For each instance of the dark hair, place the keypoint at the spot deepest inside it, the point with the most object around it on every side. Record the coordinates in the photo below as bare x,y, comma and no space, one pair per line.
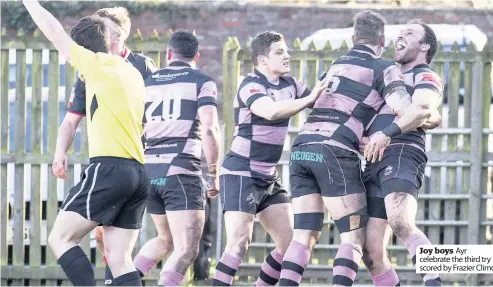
369,28
429,38
261,44
119,15
91,33
184,43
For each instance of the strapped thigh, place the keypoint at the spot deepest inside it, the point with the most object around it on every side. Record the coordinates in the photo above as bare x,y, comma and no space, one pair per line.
352,221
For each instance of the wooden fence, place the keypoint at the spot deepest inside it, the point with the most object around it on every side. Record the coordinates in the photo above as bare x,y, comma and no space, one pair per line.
455,201
454,204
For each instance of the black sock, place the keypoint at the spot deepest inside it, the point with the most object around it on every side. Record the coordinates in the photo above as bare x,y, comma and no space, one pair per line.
128,279
140,273
77,267
108,277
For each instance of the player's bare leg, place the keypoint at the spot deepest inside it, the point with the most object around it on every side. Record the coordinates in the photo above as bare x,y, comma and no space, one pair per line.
350,216
308,220
119,244
68,230
99,235
277,220
239,228
375,255
186,228
157,248
401,212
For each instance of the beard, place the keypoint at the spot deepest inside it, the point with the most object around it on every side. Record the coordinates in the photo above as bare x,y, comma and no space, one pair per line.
409,56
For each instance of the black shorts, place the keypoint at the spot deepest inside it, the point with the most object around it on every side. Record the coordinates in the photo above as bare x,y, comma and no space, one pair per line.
176,192
401,170
248,194
328,170
112,192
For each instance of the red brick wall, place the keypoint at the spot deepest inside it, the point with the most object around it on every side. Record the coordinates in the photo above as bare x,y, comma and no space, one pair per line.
214,23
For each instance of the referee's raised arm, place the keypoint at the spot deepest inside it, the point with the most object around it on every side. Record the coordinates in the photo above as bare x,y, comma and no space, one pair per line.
50,27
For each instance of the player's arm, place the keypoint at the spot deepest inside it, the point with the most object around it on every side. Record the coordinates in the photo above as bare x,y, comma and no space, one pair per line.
50,27
66,132
265,107
211,134
65,138
410,115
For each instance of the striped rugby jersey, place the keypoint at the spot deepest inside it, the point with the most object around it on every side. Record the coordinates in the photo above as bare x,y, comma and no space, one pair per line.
172,128
419,77
360,84
258,143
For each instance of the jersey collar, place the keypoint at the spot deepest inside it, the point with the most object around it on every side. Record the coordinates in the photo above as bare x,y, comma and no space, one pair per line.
262,76
126,51
363,48
421,66
179,64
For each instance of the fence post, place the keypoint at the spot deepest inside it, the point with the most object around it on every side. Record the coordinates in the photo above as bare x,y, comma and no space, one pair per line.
476,157
231,72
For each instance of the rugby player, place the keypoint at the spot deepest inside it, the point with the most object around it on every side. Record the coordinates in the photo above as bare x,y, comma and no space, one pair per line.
76,107
325,168
112,190
392,184
180,120
250,185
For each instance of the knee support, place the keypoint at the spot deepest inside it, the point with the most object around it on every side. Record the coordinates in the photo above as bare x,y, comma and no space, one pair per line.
352,221
309,221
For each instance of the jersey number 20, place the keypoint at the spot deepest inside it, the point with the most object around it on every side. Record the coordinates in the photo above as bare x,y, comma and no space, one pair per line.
168,111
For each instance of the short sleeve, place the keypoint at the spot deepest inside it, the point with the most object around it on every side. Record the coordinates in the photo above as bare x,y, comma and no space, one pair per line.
301,89
428,80
250,92
390,79
207,94
77,101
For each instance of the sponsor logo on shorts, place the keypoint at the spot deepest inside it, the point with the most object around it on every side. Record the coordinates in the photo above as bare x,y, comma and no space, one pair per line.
250,199
388,170
305,155
159,181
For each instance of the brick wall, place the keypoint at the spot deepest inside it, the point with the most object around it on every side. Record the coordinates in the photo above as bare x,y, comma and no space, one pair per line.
214,23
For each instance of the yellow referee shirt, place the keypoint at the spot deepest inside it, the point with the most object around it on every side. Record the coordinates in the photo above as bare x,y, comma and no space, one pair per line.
114,104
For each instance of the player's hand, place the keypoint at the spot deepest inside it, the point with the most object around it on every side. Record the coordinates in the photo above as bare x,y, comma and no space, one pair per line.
376,146
420,114
320,86
212,184
60,165
432,122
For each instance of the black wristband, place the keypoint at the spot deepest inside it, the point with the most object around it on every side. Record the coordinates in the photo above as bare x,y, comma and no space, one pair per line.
392,130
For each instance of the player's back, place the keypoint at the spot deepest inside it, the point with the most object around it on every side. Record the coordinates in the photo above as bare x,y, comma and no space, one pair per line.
356,91
77,102
115,98
172,127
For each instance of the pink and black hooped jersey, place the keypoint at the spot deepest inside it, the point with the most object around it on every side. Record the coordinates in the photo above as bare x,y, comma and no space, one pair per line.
258,143
359,86
419,77
172,128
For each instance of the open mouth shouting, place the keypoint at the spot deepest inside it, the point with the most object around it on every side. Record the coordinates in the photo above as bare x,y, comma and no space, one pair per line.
400,45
